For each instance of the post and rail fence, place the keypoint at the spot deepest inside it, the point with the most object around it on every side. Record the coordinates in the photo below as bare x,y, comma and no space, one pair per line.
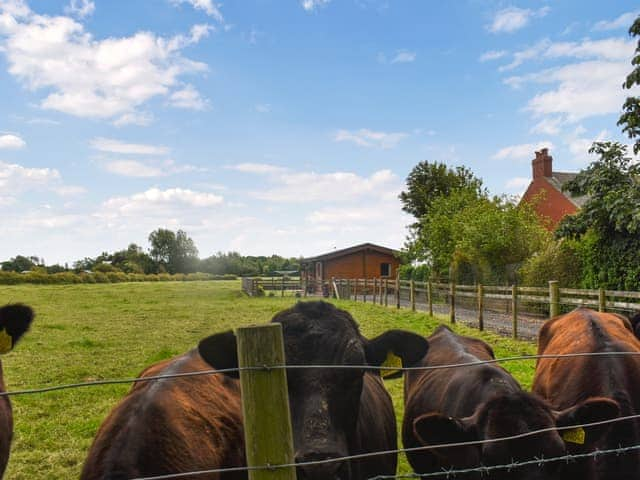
512,309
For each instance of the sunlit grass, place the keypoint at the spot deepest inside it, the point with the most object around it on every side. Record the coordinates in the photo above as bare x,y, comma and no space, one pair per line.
92,332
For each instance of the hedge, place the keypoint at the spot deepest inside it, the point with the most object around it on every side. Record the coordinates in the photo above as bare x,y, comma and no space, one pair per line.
15,278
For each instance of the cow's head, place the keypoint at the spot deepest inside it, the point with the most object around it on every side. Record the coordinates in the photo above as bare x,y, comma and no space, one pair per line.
15,320
324,402
513,415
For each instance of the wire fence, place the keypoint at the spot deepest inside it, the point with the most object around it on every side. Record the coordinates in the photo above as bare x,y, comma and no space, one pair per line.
447,473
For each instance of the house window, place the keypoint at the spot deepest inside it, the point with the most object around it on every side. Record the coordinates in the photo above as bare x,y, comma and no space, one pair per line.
385,269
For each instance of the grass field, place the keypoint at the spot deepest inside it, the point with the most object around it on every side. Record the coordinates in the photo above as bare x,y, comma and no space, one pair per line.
90,332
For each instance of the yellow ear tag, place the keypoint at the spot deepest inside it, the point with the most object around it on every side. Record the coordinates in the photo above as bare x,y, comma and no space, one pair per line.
6,342
391,361
575,435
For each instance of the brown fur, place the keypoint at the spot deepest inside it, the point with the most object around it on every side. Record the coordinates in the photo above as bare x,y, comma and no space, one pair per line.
166,414
564,381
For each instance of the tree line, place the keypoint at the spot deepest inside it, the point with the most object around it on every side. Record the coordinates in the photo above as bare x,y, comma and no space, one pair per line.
170,252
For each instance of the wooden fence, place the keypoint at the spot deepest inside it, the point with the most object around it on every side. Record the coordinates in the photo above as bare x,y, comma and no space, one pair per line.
514,301
258,286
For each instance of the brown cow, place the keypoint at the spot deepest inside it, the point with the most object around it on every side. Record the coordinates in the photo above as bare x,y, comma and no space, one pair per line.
564,381
187,424
471,403
14,322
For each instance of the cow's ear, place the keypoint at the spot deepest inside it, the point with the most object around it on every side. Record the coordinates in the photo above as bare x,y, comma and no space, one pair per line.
408,347
437,429
15,320
220,352
592,410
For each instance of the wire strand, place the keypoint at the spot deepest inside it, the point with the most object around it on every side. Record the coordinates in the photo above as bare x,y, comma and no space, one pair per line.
369,368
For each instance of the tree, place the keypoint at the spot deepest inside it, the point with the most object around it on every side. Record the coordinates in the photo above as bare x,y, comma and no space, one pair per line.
630,118
175,251
21,263
428,181
609,222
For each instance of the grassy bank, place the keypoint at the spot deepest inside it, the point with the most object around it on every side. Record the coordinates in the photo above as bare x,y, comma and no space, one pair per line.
91,332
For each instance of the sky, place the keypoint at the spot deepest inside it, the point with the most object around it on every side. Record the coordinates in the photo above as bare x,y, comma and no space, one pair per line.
284,126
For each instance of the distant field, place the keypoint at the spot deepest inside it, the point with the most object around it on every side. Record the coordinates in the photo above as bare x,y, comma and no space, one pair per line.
90,332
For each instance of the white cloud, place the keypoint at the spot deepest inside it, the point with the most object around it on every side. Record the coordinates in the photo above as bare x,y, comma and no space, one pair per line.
547,126
368,138
14,177
139,169
188,98
116,146
623,21
207,6
80,8
294,187
86,77
11,141
579,144
310,5
404,56
257,168
142,119
524,151
511,19
133,168
69,190
492,55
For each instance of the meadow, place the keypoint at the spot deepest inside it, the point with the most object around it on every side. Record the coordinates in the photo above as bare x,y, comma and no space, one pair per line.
105,331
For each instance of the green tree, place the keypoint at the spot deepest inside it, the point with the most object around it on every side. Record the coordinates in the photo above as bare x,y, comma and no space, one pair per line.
21,263
630,118
428,181
609,222
176,252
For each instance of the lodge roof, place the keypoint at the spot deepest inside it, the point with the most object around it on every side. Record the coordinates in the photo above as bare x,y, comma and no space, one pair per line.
351,250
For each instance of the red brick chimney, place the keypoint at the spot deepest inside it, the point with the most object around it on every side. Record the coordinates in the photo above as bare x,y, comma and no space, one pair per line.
542,164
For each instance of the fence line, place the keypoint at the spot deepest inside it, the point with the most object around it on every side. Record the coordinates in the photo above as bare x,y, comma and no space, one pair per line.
505,306
368,368
430,447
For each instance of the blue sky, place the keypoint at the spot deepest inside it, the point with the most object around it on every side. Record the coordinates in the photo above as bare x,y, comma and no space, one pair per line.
284,126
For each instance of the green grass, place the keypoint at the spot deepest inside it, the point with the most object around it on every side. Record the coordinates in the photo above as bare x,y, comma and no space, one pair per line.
91,332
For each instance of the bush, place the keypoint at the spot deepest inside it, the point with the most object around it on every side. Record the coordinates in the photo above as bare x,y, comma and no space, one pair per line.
114,276
560,260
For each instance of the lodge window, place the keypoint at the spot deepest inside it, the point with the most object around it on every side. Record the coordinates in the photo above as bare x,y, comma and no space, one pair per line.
385,269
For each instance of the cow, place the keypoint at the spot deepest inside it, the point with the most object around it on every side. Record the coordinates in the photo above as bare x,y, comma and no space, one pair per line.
635,323
195,423
15,320
484,402
564,381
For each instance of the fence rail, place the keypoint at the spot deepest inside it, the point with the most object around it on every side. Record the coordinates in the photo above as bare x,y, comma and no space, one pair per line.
507,307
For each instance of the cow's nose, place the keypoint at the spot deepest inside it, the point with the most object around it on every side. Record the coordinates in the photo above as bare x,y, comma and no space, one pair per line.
320,471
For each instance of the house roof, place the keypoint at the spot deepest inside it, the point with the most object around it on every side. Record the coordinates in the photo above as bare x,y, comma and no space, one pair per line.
350,250
558,179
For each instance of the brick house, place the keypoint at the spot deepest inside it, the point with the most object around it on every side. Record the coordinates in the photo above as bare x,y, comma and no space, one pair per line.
553,204
360,261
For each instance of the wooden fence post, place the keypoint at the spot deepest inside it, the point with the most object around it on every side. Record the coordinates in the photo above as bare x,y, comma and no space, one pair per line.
282,286
397,291
602,300
386,292
380,291
480,307
375,290
265,402
452,307
412,294
364,290
430,298
514,309
554,298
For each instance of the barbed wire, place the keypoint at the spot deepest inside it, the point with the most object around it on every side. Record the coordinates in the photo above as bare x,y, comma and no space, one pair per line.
488,468
369,368
362,456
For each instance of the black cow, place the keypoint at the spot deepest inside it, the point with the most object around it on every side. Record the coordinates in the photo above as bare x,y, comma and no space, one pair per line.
484,402
14,322
194,423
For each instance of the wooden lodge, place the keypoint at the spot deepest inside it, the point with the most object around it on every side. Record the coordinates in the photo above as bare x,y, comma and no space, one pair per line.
361,261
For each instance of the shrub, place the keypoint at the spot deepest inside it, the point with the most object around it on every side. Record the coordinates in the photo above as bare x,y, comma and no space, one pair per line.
560,260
